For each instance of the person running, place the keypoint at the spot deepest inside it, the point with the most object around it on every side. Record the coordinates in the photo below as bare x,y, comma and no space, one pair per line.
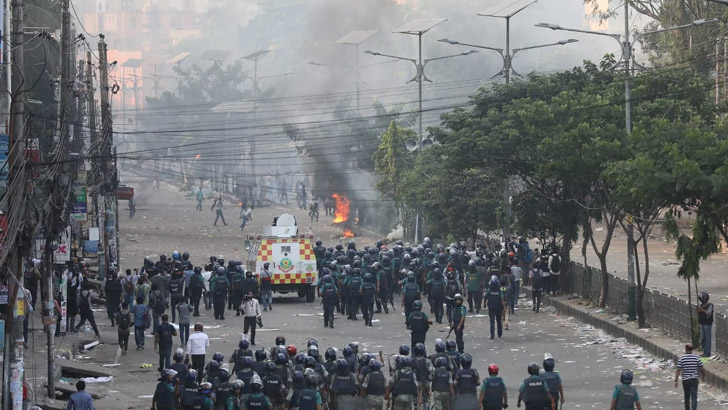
217,205
689,366
84,305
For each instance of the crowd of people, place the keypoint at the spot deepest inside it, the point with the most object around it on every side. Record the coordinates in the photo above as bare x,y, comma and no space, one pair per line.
455,281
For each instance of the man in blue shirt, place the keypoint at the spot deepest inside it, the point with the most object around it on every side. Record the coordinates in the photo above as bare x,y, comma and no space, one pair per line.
80,400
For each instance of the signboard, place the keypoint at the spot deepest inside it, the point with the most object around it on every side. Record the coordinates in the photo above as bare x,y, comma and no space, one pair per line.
93,233
63,287
62,252
79,207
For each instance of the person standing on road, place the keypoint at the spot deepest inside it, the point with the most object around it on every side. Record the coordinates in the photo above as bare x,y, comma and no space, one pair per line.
163,342
251,315
246,215
266,287
125,321
197,346
219,292
537,283
625,396
419,323
535,392
458,322
689,366
113,291
140,310
705,318
218,206
197,284
555,268
184,309
84,305
516,274
493,393
80,400
200,198
496,305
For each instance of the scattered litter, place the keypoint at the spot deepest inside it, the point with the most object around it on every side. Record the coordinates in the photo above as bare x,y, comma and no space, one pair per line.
104,379
111,365
375,320
146,366
146,396
479,315
90,345
267,330
304,314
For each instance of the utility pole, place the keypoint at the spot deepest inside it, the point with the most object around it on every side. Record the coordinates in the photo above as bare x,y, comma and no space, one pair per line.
6,80
13,365
93,136
109,180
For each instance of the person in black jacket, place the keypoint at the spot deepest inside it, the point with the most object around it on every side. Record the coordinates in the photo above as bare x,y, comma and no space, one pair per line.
113,291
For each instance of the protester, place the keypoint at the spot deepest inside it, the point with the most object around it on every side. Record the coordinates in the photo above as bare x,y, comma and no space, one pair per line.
80,400
141,322
197,345
124,321
218,206
689,366
163,342
251,315
84,305
184,309
705,319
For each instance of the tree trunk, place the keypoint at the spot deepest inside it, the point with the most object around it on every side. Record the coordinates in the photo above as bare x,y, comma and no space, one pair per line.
692,321
565,276
602,255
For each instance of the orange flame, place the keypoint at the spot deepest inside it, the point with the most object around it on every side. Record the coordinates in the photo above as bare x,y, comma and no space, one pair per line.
198,156
348,234
342,208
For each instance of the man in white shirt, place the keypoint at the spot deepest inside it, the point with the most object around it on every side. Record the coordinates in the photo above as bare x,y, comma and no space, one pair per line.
251,314
197,346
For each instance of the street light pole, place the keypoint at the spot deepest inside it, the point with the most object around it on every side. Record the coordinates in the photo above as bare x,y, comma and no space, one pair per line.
626,57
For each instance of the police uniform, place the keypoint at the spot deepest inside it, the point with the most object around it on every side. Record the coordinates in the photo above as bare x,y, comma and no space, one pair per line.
236,296
492,390
176,289
534,392
164,396
457,313
441,383
374,385
411,293
553,380
418,322
404,390
196,285
330,298
495,297
343,389
219,292
191,398
307,399
437,295
257,401
368,294
466,386
626,396
424,370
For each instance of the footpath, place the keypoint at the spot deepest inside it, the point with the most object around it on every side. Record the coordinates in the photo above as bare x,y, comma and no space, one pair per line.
653,340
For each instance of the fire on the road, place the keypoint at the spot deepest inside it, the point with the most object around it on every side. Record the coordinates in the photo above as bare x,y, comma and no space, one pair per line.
342,208
348,234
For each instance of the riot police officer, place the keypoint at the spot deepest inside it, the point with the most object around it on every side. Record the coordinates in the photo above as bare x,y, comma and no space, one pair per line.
534,391
493,393
367,293
176,287
419,323
329,294
410,293
354,284
374,386
343,385
424,370
219,292
403,390
466,385
442,385
238,288
197,284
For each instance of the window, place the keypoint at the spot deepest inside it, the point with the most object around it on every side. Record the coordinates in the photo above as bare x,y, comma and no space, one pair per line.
285,249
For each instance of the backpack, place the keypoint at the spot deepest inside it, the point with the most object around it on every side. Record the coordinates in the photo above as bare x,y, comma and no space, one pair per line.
140,293
156,301
124,320
165,334
128,286
537,280
147,320
555,263
452,288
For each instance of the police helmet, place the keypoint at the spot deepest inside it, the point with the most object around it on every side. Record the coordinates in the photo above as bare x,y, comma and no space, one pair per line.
441,362
310,361
192,375
493,369
247,362
451,346
248,274
342,367
704,296
339,247
280,340
318,242
548,364
417,305
368,277
626,377
356,264
224,373
440,347
419,349
220,271
238,385
466,361
330,354
198,269
314,352
404,350
459,297
175,255
533,369
354,346
348,351
281,358
218,357
312,380
206,387
255,383
301,358
375,365
270,367
221,260
327,254
244,344
356,272
179,355
297,377
410,277
260,355
214,366
163,257
405,362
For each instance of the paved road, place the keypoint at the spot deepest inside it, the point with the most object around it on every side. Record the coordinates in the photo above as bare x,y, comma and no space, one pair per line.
165,220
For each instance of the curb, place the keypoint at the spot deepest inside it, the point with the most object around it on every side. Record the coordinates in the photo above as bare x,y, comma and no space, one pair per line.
713,375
